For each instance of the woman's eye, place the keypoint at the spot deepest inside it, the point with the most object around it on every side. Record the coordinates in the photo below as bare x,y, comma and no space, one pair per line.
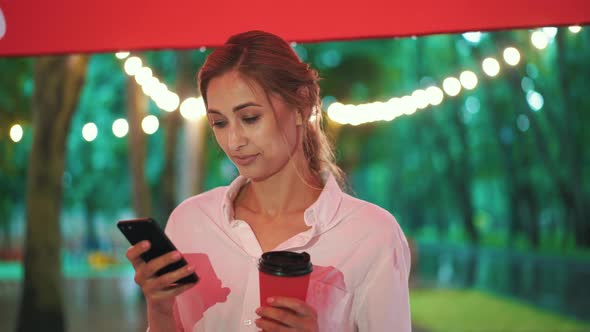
218,124
251,119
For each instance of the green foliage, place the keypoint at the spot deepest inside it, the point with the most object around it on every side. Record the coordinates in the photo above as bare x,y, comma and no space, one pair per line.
517,180
97,172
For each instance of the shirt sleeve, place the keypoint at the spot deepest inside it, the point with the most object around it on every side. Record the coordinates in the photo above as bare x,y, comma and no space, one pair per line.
382,301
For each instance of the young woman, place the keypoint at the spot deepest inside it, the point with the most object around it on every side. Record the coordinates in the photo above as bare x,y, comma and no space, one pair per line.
264,107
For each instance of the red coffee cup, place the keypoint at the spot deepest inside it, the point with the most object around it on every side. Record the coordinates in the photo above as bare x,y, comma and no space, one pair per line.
285,274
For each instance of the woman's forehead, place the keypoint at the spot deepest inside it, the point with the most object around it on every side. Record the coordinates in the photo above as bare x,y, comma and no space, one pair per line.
233,88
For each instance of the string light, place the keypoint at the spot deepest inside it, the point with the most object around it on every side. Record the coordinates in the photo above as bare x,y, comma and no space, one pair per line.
89,131
408,106
120,128
151,86
122,55
150,124
511,56
16,133
539,39
490,66
421,99
468,80
472,37
142,75
132,65
194,108
551,32
451,86
435,95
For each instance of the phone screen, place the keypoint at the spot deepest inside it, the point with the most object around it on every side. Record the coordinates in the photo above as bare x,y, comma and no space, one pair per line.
137,230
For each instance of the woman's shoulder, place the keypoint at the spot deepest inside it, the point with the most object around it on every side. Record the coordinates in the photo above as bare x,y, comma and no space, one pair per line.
210,197
374,220
361,208
206,203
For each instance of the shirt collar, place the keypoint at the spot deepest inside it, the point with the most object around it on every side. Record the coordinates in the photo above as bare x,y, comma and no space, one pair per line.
320,215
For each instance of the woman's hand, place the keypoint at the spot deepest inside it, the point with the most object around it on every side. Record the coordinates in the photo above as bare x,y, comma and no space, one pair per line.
159,291
287,314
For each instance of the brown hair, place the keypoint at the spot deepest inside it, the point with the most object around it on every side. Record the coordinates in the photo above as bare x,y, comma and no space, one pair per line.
272,63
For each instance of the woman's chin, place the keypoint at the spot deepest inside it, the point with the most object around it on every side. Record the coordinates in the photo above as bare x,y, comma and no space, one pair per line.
253,174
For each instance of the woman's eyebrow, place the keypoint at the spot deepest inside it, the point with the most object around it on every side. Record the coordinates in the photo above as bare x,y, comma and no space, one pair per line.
236,108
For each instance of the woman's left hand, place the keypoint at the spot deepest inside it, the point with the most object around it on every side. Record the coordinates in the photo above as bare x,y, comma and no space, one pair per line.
287,314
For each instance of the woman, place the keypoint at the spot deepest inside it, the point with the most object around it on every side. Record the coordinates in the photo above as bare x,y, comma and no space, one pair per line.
264,107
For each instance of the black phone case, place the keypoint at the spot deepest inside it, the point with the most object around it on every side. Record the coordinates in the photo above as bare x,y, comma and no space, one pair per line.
137,230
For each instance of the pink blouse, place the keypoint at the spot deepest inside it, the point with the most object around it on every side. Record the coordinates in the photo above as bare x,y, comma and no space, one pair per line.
360,255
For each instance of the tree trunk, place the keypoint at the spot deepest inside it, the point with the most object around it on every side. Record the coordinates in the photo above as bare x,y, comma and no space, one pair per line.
136,109
506,150
58,83
461,168
172,123
194,156
573,145
92,241
462,178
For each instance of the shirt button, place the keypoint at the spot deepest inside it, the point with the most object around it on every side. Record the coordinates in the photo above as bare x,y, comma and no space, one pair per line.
248,322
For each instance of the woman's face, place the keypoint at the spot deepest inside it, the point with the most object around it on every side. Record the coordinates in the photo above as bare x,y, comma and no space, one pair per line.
257,140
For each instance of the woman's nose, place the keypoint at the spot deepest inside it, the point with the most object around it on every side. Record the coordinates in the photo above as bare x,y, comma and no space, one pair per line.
236,139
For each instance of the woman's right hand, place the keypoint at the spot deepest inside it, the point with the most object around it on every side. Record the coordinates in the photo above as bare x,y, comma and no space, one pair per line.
159,291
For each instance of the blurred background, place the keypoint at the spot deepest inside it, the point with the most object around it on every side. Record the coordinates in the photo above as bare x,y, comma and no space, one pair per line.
475,142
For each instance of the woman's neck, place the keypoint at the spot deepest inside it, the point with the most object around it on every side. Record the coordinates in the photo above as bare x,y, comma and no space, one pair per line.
293,189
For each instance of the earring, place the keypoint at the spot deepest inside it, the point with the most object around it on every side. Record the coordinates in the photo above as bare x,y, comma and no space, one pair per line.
298,119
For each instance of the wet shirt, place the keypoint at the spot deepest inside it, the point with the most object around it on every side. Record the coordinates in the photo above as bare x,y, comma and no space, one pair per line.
360,256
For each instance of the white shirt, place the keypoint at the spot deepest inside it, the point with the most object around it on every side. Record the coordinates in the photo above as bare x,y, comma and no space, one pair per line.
360,255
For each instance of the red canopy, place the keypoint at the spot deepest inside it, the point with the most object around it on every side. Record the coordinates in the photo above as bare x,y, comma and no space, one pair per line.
30,27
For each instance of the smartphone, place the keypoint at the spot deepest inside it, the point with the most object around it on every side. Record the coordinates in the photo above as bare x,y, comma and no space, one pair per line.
137,230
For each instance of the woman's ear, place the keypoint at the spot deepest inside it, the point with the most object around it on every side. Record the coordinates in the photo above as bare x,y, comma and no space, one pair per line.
298,118
304,94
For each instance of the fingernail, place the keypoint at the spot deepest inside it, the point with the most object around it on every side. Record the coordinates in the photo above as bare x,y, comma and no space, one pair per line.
176,255
258,311
145,244
190,268
270,300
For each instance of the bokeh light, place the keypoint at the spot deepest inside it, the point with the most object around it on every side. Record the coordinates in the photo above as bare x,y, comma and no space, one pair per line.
468,79
122,55
435,95
511,56
89,131
472,37
132,65
192,108
535,100
150,124
451,86
16,133
490,66
539,39
120,128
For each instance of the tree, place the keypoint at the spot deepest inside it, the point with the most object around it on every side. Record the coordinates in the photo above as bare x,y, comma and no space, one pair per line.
58,82
15,107
137,106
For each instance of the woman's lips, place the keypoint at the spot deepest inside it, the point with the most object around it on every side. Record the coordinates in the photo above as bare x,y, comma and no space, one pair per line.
245,160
